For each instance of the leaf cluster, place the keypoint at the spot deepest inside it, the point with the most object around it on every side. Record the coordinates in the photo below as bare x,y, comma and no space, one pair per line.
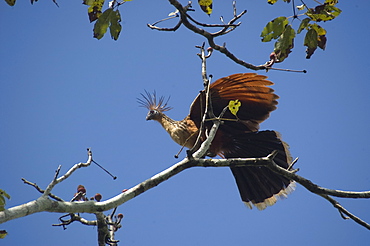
283,32
280,29
110,18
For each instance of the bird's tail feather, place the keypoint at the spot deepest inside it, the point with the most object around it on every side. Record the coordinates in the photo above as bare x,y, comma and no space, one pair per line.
259,186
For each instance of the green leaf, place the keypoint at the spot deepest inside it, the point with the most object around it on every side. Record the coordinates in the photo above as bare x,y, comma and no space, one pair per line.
321,42
274,29
323,12
206,6
285,43
3,195
95,8
3,233
331,2
315,37
10,2
115,26
274,1
303,25
234,106
102,24
320,31
88,2
111,19
311,41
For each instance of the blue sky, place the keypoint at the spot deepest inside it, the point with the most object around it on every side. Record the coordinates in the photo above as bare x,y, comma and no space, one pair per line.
63,91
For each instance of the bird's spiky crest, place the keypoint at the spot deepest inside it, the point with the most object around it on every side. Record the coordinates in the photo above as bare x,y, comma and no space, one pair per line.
150,102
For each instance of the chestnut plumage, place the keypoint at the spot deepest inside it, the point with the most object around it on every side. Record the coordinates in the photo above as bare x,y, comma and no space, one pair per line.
238,137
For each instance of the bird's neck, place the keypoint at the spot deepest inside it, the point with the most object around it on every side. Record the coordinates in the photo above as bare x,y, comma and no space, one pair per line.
167,123
179,131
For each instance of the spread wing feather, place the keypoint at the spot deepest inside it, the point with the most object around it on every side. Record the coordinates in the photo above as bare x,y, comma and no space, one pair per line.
257,100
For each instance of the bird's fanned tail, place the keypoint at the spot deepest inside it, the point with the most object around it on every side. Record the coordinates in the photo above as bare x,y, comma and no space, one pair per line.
259,186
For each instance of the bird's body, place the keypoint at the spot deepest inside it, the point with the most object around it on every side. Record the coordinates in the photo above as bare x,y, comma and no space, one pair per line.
238,136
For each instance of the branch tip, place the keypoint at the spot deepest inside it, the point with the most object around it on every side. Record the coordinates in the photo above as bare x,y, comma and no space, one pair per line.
342,215
292,164
272,155
57,172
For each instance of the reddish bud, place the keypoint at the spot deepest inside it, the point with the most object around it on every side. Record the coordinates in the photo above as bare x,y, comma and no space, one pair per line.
81,188
120,216
98,197
124,190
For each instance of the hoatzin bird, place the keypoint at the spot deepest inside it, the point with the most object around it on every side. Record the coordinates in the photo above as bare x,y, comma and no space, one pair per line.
237,138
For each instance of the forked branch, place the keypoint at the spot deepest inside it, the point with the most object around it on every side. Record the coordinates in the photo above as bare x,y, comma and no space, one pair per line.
187,21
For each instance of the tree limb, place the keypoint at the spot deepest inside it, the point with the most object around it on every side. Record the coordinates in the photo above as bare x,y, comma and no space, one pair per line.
45,204
74,217
41,190
103,232
210,36
226,28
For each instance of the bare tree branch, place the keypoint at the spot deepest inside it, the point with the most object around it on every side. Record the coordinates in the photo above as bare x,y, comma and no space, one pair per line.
210,37
226,28
103,232
72,218
114,223
41,190
106,226
45,204
342,211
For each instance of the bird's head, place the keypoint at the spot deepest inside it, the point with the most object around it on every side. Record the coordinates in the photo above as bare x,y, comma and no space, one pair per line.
156,108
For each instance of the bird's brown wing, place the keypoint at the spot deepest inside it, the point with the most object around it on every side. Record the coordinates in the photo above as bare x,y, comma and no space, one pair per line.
257,100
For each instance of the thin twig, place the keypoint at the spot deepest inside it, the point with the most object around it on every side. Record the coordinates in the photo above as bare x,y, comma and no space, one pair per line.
73,218
231,25
57,180
41,190
75,167
206,84
342,211
184,19
53,183
152,26
225,26
209,37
